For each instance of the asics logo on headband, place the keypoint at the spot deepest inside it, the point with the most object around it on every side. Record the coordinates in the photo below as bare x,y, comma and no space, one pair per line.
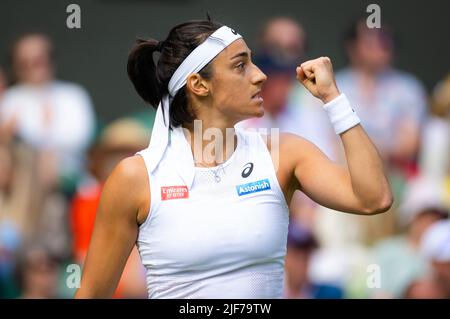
201,56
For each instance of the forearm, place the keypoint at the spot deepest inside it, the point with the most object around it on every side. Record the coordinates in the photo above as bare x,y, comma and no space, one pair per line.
102,270
369,183
364,187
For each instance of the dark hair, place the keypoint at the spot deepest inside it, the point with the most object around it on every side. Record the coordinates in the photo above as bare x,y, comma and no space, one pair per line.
151,80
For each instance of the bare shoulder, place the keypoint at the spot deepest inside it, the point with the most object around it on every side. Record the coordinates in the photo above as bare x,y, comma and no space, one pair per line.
128,186
286,150
130,169
297,144
290,144
293,152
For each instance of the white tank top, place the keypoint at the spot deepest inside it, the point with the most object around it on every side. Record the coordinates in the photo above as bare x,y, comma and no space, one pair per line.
218,239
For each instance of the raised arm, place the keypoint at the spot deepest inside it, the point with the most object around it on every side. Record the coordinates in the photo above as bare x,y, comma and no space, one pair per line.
124,203
359,188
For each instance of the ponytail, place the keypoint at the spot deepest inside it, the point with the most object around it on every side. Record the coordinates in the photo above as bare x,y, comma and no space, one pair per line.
141,70
151,80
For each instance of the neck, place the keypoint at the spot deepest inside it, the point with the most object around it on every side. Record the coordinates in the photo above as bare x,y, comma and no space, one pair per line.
212,141
366,70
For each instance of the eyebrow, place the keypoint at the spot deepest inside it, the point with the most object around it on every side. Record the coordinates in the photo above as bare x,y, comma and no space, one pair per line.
244,54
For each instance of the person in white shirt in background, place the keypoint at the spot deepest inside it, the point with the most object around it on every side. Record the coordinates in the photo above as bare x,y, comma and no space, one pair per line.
435,246
393,102
435,150
393,105
50,115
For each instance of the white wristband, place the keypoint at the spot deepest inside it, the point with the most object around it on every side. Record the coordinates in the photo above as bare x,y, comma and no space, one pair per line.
342,116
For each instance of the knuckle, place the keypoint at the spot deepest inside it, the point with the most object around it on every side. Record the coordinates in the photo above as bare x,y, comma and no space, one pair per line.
325,60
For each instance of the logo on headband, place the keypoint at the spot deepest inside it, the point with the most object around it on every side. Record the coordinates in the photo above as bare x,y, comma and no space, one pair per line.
233,31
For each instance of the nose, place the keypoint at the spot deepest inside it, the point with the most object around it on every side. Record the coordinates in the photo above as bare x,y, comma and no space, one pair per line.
258,76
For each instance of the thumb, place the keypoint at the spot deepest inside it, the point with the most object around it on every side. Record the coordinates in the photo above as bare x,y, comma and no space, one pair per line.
304,79
301,76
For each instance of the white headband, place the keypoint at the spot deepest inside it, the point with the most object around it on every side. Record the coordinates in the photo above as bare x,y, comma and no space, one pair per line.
201,56
161,134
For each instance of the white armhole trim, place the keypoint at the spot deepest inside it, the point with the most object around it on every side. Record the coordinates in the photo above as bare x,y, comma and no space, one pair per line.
154,199
268,159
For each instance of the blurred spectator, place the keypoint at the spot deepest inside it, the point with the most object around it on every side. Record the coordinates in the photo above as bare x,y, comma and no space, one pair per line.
46,113
391,103
420,194
16,183
392,106
15,200
435,151
30,205
37,273
426,288
435,246
399,257
120,139
301,245
5,130
283,37
2,83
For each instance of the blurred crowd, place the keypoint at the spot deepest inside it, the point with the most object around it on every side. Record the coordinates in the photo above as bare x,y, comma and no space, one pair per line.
56,153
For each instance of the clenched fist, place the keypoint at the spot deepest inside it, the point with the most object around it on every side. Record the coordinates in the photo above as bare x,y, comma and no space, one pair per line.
317,76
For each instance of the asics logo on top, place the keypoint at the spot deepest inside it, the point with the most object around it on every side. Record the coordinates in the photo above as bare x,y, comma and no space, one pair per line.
248,169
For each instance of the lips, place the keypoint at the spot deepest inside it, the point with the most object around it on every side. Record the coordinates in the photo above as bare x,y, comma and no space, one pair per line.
257,95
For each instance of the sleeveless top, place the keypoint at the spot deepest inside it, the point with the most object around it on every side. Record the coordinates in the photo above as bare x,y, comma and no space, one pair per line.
225,237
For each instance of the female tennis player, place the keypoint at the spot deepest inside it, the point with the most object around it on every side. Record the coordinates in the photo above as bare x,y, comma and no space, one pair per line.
218,228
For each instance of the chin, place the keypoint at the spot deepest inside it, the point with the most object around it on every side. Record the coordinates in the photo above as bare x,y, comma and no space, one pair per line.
254,112
260,112
251,116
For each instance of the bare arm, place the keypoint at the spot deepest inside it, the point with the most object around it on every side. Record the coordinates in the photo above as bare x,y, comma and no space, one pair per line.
123,199
361,187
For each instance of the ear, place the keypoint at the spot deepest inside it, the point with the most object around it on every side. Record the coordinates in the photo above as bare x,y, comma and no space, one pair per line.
197,85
